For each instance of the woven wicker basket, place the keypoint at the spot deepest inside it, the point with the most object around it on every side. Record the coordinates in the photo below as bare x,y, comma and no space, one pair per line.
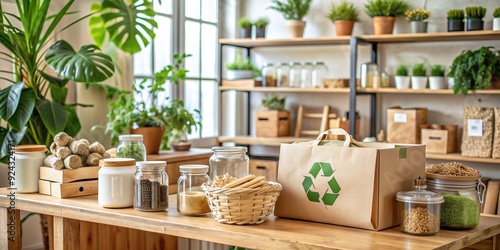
242,206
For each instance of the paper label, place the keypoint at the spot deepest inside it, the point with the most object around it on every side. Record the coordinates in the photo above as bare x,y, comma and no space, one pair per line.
475,127
400,117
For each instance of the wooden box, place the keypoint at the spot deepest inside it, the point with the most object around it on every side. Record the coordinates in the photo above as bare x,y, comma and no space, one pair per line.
242,83
343,123
67,183
403,125
272,123
440,141
267,168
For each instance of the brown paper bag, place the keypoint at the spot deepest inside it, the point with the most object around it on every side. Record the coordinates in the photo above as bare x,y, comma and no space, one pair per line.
354,184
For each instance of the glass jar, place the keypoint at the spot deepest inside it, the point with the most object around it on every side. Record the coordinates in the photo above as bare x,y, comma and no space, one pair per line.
151,186
462,200
306,79
319,73
295,75
384,76
230,160
419,209
26,169
377,80
191,198
131,146
268,75
366,74
282,74
116,182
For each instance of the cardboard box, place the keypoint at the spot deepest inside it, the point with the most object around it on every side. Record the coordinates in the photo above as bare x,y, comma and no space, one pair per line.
267,168
404,125
272,123
440,141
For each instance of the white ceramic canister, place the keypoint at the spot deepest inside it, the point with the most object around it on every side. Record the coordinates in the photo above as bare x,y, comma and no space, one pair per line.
27,162
116,182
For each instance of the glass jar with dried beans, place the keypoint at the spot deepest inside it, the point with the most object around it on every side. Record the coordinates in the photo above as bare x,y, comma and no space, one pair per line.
191,198
151,186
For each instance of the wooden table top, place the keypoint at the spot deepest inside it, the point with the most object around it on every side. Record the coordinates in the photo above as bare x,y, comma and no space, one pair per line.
276,233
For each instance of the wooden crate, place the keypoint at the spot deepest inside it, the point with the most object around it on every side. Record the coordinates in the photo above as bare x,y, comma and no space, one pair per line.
440,141
272,123
267,168
67,183
343,123
404,125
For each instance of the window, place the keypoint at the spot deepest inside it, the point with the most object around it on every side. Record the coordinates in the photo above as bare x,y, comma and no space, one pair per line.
191,27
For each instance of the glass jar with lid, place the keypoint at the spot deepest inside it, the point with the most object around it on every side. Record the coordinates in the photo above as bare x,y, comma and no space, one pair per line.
306,74
269,75
116,182
319,73
230,160
295,74
191,198
151,186
131,146
282,74
384,76
419,209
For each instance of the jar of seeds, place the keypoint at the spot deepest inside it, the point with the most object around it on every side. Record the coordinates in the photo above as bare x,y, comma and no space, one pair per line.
151,186
191,198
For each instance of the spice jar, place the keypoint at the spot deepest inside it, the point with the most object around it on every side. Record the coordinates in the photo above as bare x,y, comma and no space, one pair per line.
131,146
151,186
191,198
282,73
230,160
27,162
268,75
295,75
306,74
319,73
116,182
419,209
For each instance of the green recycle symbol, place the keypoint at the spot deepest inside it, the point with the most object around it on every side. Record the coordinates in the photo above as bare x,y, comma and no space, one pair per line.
331,193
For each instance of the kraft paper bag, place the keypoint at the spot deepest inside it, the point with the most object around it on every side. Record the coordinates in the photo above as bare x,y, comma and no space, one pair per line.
348,183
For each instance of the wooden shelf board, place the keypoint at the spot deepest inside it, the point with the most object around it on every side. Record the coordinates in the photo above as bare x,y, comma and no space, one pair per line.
286,89
262,42
434,37
262,141
425,91
459,157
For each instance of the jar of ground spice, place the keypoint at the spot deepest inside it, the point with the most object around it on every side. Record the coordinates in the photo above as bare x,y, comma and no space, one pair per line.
151,186
191,198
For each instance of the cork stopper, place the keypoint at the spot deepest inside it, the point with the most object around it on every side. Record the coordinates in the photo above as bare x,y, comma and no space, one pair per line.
420,181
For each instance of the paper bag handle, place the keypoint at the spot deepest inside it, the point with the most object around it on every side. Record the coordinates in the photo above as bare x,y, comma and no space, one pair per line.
334,131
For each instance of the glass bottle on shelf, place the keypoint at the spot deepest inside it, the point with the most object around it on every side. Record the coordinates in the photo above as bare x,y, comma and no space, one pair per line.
384,76
268,75
282,75
319,73
376,82
295,75
306,75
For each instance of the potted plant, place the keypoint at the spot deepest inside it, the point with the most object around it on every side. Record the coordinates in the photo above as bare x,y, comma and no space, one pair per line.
456,20
294,12
180,122
401,78
260,27
245,27
418,77
343,16
272,120
496,19
384,13
416,18
474,16
437,79
473,70
239,68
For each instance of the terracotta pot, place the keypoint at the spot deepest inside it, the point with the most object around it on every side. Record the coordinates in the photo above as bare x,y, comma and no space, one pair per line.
343,28
296,27
152,138
383,24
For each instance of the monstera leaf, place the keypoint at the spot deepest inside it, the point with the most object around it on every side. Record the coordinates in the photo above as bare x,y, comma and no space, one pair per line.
84,65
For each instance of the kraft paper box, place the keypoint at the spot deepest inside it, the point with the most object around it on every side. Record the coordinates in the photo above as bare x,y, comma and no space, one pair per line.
347,186
403,125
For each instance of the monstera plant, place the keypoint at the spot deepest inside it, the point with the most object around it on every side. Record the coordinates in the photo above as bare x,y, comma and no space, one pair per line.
33,106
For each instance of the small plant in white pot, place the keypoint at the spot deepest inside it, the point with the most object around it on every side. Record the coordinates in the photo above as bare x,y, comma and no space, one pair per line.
418,77
496,19
401,79
239,68
437,79
294,12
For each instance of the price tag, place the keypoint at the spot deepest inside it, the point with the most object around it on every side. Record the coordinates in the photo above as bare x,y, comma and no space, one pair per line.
475,127
400,117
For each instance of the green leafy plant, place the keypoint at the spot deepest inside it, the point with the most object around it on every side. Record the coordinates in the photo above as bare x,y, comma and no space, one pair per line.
437,70
261,22
273,102
496,13
456,14
292,9
392,8
475,12
402,70
345,11
417,15
240,64
418,70
473,70
245,23
180,122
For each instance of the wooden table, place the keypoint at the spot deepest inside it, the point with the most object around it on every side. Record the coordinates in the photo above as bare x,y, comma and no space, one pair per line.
276,233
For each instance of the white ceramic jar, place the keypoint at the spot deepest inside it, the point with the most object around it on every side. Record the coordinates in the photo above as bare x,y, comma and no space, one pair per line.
116,182
27,162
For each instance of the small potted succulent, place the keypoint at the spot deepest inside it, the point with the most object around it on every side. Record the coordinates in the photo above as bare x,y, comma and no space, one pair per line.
260,27
384,13
343,16
401,78
474,16
416,18
437,79
456,20
496,19
245,27
418,77
294,12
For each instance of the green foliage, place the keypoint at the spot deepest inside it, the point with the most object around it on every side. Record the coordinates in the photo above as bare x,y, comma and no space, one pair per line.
245,23
402,70
474,69
240,64
180,121
131,150
459,212
496,13
273,102
345,11
392,8
418,70
417,15
437,70
261,22
456,14
292,9
475,12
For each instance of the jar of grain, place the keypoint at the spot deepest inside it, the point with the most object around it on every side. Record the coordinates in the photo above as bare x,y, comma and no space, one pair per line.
191,198
131,146
116,182
27,160
419,209
151,186
268,75
229,160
